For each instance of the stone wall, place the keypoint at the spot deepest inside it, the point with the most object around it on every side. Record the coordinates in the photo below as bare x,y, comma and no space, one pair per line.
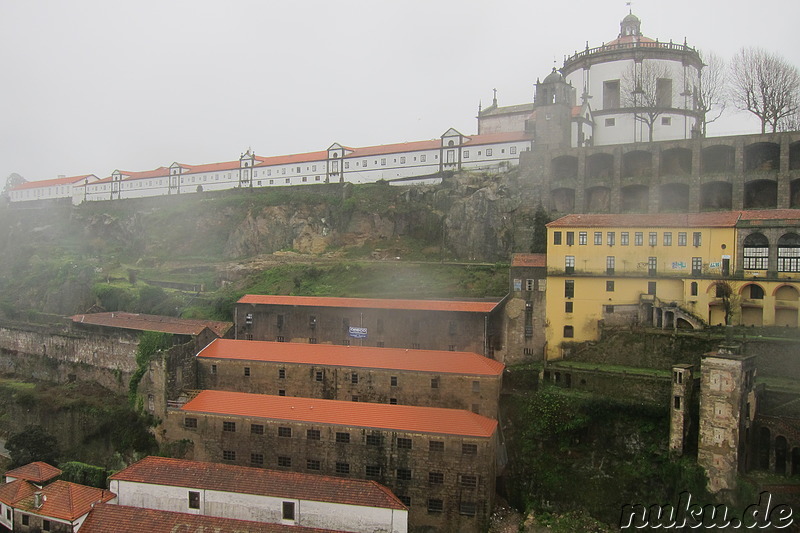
623,386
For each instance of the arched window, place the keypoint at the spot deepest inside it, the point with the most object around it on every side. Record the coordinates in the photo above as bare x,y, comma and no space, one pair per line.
756,252
789,253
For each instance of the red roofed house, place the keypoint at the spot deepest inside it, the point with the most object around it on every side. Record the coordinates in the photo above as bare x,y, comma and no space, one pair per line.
109,518
61,187
60,507
259,495
11,493
384,375
441,463
39,473
455,325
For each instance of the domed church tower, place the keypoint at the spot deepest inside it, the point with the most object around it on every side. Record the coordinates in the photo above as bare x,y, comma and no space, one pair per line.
639,88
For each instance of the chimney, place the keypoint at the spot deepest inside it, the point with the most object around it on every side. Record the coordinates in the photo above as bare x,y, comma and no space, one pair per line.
38,499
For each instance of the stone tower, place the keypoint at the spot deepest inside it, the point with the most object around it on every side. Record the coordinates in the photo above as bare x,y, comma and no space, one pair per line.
727,404
553,102
680,414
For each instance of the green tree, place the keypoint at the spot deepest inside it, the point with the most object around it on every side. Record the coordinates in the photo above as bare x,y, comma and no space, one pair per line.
33,443
540,219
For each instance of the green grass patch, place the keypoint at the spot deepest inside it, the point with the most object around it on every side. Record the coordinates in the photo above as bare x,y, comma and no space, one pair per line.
617,369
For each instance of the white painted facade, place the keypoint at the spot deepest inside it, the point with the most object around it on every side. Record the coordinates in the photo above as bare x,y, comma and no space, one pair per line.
58,188
594,72
6,516
260,508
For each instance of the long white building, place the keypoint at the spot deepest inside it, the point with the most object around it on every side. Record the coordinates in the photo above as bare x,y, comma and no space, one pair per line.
402,163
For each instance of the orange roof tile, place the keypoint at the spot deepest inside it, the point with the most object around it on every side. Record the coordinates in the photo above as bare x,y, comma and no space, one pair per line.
141,322
529,260
37,472
335,412
292,158
65,500
491,138
396,148
719,219
109,518
50,183
211,167
259,481
769,214
11,493
437,361
370,303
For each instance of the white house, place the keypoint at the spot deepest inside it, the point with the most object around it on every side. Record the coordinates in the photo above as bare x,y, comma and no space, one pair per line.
61,187
259,495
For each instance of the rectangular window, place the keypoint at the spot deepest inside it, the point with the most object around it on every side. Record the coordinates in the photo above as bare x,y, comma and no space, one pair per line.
582,238
568,307
25,520
257,429
556,237
247,371
611,122
342,468
284,432
373,440
610,238
287,511
45,525
228,455
569,332
651,287
468,481
194,500
488,151
666,121
652,238
318,375
609,285
436,446
569,288
213,369
393,381
697,266
697,238
190,422
529,284
638,239
466,154
312,340
403,444
611,94
569,264
435,478
469,449
312,434
598,238
757,258
383,161
467,508
403,474
285,462
435,505
229,426
257,459
423,158
392,401
281,373
512,150
788,259
681,238
434,383
667,238
354,378
476,386
373,471
570,238
611,262
664,92
624,238
342,437
313,464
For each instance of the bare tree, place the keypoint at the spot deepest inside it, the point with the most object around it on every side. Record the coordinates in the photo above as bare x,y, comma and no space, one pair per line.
764,84
711,90
647,88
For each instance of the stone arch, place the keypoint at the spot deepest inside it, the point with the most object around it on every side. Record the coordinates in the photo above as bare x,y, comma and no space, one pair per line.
781,449
563,199
600,167
673,197
635,198
794,158
637,164
764,442
716,195
760,194
752,291
717,159
676,162
789,252
564,167
786,292
598,200
762,157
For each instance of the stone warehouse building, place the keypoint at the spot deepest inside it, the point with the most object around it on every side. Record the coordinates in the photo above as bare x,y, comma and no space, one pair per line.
441,463
457,380
454,325
524,309
259,495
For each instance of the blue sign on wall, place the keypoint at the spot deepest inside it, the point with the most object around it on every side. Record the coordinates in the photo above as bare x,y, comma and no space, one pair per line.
358,333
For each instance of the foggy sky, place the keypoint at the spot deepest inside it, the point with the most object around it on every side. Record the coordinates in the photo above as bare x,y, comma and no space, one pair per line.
93,86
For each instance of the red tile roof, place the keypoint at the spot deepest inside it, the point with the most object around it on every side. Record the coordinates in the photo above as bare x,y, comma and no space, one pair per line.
529,260
211,167
437,361
335,412
140,322
491,138
258,481
37,472
720,219
370,303
383,149
292,158
66,501
50,183
11,493
769,214
108,518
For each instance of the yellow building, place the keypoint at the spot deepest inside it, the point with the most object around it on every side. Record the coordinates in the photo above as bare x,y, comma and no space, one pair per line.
670,271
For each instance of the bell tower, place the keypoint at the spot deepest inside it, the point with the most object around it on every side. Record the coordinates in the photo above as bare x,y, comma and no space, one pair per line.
553,101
